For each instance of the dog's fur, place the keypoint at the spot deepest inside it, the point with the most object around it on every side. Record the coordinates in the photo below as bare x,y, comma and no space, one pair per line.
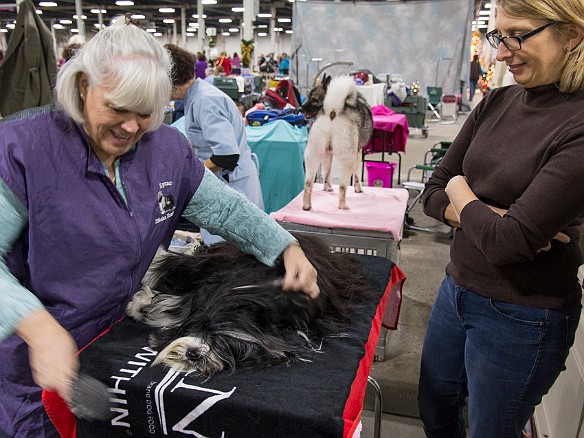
205,326
343,126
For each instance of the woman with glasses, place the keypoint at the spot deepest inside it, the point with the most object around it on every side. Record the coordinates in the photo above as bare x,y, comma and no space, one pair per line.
512,184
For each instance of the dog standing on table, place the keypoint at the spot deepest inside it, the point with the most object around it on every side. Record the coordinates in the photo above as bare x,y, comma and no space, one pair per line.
342,128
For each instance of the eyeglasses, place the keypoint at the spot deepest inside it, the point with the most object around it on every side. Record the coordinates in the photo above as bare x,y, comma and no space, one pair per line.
513,43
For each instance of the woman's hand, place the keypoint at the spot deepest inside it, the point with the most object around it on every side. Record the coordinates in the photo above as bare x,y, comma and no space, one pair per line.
300,274
560,237
51,351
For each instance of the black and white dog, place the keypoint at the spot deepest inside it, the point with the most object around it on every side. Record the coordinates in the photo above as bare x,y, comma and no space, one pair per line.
342,128
205,325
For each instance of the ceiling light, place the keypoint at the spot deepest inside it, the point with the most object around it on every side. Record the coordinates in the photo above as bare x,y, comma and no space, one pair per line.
157,34
38,11
189,34
262,26
10,26
150,30
99,26
194,24
225,34
168,20
267,15
125,3
98,11
488,6
197,16
225,20
262,34
284,20
65,22
484,12
233,29
237,9
138,17
482,26
74,30
278,29
83,17
166,10
481,22
47,4
3,30
191,29
58,26
209,2
289,31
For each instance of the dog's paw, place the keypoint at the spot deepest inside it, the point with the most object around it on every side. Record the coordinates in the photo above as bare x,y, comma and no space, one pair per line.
344,207
306,207
141,299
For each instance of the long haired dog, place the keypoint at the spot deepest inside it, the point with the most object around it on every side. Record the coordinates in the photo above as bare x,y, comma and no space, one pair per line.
342,128
205,325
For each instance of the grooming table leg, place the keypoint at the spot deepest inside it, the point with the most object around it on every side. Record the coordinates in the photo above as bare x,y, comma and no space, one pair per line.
378,406
380,349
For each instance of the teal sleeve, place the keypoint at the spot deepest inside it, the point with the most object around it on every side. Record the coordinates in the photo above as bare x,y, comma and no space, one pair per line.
16,301
221,210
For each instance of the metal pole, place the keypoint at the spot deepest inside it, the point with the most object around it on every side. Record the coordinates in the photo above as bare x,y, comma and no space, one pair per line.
80,22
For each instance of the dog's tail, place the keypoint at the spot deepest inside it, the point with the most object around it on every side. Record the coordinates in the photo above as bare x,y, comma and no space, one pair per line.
340,92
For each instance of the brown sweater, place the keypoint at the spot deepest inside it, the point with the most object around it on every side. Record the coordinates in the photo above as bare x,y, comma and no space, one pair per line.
522,150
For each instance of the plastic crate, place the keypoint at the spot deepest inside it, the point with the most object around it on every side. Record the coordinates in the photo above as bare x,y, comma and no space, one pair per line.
228,86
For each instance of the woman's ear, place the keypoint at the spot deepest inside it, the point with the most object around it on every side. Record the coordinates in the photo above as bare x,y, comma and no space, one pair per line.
575,35
82,84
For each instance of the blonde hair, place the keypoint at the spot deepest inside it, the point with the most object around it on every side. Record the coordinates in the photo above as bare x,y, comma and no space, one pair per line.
129,62
564,13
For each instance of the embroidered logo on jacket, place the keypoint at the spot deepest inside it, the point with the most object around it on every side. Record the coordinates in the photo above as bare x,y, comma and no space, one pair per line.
165,202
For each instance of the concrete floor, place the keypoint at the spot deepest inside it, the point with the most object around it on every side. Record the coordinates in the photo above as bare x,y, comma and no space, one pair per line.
423,257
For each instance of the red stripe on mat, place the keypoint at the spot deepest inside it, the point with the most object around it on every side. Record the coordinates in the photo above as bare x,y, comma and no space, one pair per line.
354,405
58,409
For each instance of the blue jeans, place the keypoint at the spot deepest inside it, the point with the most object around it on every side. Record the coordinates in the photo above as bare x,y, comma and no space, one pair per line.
503,356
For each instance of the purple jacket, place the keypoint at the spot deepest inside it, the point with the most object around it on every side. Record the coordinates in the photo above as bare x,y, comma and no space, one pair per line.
85,250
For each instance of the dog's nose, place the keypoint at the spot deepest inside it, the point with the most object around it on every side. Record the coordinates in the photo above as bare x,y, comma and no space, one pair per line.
194,355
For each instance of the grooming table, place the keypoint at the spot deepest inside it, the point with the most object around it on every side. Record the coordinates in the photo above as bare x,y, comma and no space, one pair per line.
372,226
322,398
390,134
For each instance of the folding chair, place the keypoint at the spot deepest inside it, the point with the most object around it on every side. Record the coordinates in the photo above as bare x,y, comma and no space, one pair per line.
448,111
434,102
432,159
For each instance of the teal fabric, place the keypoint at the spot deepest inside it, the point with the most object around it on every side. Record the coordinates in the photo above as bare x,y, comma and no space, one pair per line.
224,211
280,150
16,301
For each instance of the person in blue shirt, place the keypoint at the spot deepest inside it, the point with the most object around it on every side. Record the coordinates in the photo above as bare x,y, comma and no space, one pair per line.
215,129
284,66
88,193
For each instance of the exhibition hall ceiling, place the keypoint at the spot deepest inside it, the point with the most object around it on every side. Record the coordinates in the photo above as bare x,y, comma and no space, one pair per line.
226,16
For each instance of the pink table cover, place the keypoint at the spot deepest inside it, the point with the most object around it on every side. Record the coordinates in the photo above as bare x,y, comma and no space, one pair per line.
384,119
376,209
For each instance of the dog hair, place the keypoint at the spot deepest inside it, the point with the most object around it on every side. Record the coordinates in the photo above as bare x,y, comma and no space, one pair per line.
205,326
342,128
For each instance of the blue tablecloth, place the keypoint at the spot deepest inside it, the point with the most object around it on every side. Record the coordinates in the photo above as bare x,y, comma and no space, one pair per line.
280,149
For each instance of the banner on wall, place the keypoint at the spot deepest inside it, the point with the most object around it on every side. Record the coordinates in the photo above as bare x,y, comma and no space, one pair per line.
425,41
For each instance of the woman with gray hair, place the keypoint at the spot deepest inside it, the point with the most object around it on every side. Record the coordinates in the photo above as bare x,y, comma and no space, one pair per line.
512,184
86,198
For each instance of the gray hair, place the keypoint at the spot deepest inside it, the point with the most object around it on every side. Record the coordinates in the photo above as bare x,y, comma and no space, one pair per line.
126,60
564,13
